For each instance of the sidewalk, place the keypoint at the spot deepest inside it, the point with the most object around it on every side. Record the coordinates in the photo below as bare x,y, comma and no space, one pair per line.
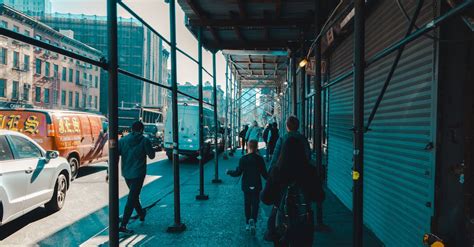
220,220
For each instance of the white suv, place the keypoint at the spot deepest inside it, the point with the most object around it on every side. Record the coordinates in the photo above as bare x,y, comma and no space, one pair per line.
29,176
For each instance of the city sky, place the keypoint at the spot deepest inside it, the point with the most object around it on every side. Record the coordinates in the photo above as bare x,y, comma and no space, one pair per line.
155,12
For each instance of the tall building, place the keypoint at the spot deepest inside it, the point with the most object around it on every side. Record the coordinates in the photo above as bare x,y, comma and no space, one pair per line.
140,52
31,76
30,7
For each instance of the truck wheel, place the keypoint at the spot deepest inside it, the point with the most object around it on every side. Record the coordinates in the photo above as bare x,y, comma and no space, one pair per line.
74,163
59,195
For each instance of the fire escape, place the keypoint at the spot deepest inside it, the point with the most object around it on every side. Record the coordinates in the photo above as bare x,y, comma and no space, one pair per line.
48,80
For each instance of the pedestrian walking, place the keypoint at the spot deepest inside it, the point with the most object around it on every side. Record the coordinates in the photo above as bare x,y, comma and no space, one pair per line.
252,168
242,136
265,134
254,132
134,149
273,137
292,185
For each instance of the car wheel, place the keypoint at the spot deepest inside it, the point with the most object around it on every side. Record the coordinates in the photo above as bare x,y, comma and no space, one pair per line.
74,163
59,195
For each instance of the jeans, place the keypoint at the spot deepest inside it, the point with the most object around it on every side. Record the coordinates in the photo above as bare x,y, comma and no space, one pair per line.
133,201
251,201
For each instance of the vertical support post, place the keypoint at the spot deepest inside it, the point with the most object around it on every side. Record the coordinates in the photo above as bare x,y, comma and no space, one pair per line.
177,226
303,101
226,112
294,86
232,117
201,195
216,179
239,107
358,137
317,116
113,122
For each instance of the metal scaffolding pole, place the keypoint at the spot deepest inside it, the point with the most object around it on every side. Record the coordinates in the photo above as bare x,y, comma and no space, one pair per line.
201,195
178,226
113,122
239,120
226,111
216,179
232,117
358,115
294,86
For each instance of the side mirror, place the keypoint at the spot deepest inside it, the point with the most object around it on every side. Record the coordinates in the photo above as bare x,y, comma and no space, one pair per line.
51,155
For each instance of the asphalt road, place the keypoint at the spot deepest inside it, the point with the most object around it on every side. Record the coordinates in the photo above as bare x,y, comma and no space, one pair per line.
85,212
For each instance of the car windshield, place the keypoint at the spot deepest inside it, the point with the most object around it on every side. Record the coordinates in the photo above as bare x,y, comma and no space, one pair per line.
150,129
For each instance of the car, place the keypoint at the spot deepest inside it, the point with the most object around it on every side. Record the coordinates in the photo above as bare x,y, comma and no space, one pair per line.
151,133
80,137
30,177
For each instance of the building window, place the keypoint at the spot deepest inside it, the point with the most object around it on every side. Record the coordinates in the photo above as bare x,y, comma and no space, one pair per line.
38,66
63,97
96,82
2,87
3,55
70,99
4,24
78,79
27,33
71,74
96,102
16,60
46,69
55,97
63,75
16,29
37,94
15,89
26,63
90,100
77,100
84,100
26,92
55,70
46,95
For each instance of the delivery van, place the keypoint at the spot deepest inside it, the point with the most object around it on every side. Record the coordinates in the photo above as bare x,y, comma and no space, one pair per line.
79,137
188,125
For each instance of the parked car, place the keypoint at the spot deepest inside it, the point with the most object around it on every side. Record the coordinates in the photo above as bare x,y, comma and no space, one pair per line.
151,133
29,176
188,125
79,137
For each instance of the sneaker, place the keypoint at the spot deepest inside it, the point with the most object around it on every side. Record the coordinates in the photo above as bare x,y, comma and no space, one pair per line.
247,227
142,217
252,226
125,230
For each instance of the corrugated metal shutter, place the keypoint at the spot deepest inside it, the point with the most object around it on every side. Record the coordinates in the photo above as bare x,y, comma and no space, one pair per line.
399,170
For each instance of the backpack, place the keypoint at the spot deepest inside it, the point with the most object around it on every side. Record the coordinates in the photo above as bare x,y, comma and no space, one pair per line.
294,212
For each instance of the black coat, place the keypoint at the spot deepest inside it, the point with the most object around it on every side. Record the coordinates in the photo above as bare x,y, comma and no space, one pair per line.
252,168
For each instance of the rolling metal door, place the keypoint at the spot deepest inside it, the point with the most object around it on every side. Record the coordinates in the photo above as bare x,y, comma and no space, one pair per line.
399,161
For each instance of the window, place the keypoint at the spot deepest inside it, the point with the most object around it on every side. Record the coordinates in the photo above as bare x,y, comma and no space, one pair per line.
46,68
27,33
26,92
64,75
38,66
63,97
15,90
26,63
84,100
24,149
16,59
77,100
96,102
4,24
71,74
90,100
3,83
46,95
55,97
55,70
5,152
78,79
3,55
70,99
16,29
96,82
37,94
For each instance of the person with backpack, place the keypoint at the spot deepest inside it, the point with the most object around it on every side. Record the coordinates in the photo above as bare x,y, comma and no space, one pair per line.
242,135
273,137
254,132
266,131
252,168
292,185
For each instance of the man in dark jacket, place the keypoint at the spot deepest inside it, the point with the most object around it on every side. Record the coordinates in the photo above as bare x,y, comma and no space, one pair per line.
134,149
252,168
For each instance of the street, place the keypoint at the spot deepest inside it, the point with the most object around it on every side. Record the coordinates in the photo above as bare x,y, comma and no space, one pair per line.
85,212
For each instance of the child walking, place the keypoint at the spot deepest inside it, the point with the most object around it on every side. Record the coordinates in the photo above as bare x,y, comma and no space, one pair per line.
252,168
